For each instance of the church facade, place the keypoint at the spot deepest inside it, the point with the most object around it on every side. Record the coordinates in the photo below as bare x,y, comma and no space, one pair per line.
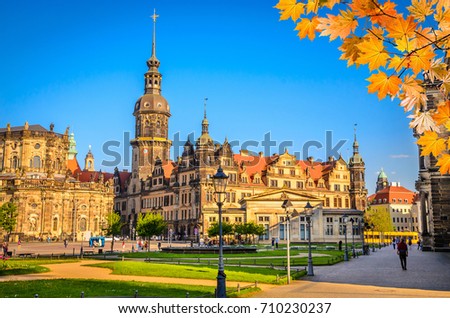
181,190
55,199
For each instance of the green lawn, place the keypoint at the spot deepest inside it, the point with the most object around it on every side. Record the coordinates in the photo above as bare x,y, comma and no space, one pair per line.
72,288
244,274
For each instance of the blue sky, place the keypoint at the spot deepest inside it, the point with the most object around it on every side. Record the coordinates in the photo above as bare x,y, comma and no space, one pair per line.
81,64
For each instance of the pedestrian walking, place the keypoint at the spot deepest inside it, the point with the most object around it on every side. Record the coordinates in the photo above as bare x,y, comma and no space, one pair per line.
276,242
402,251
418,244
65,243
5,250
393,243
409,243
159,246
273,242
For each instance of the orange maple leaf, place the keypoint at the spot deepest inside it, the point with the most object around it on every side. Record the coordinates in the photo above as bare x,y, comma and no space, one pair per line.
444,164
290,9
350,49
431,144
383,14
443,113
340,25
307,28
384,85
372,53
420,60
400,28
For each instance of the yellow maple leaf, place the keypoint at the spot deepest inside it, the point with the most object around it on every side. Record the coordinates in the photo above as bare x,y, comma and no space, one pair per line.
401,28
307,28
420,9
412,86
421,59
443,113
444,164
350,49
431,144
290,9
372,53
340,25
384,85
312,6
422,121
424,36
398,62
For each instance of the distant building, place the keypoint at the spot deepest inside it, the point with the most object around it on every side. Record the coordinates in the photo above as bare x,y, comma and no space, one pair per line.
398,201
40,173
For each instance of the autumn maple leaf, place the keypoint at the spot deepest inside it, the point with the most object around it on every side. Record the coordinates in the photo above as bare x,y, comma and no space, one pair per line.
383,84
444,164
338,25
307,28
421,59
442,116
290,9
422,121
372,53
420,9
350,49
431,144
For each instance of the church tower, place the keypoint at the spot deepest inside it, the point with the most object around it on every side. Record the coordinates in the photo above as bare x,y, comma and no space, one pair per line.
151,114
382,181
205,145
89,161
358,191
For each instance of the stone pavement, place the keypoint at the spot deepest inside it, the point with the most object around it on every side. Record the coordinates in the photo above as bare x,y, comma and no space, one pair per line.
376,275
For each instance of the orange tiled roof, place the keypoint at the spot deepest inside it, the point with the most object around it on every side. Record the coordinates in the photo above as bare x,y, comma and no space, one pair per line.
393,192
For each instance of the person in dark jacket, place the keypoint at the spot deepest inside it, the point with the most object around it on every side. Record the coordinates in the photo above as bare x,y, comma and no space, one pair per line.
402,251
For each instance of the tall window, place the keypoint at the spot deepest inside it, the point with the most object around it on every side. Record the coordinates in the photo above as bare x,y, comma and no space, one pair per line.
83,225
15,162
55,224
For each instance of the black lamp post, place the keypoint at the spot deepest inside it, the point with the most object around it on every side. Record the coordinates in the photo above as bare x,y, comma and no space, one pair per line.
345,220
220,184
353,237
308,210
286,204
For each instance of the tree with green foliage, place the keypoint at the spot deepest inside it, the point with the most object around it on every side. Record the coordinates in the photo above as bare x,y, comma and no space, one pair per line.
250,228
380,220
114,226
227,229
149,224
8,218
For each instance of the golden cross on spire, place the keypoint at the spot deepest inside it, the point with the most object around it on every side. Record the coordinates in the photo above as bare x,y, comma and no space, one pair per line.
154,16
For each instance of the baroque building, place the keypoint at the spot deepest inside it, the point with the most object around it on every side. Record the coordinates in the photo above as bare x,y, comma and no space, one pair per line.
433,187
40,173
182,190
401,204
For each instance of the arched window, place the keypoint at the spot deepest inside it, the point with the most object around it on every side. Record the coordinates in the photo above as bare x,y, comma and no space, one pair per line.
55,224
15,162
158,127
82,224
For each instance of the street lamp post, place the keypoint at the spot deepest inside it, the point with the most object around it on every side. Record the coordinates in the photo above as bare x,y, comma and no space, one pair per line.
345,220
308,210
353,237
220,184
286,204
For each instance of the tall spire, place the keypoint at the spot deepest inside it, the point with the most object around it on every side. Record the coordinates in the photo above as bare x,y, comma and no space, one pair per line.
153,77
154,17
355,142
205,122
